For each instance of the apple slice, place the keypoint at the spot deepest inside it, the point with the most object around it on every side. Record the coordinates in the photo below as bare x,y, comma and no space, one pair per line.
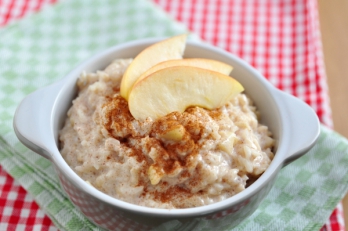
208,64
177,88
175,134
172,48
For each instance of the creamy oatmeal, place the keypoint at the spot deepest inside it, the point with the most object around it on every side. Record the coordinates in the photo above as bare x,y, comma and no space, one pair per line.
181,160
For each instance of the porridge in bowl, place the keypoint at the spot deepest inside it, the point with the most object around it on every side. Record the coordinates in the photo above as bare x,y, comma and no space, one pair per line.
178,159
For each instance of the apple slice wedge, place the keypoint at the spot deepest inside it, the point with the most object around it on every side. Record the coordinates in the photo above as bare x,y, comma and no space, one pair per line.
172,48
179,87
208,64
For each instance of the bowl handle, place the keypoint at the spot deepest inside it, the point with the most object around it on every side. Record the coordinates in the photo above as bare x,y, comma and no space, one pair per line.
32,120
302,123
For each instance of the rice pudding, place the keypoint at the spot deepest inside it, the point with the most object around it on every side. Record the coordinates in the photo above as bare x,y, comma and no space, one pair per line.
180,160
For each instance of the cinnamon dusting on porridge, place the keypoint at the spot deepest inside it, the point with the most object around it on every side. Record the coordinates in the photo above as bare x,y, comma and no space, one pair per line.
181,160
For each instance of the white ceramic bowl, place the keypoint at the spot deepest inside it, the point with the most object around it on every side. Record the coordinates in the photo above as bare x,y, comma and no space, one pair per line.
293,123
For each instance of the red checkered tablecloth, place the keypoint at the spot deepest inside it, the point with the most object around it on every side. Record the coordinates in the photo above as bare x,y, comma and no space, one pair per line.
279,38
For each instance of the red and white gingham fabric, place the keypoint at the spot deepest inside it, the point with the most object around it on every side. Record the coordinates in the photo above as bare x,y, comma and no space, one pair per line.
279,38
18,210
11,10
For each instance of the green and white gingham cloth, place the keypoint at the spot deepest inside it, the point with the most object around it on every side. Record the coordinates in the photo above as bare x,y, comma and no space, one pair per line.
43,48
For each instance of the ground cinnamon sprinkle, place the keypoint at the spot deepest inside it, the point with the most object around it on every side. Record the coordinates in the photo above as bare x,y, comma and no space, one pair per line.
173,192
117,116
140,157
173,158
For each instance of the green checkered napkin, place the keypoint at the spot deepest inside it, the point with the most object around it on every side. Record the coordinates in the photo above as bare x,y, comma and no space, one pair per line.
43,48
